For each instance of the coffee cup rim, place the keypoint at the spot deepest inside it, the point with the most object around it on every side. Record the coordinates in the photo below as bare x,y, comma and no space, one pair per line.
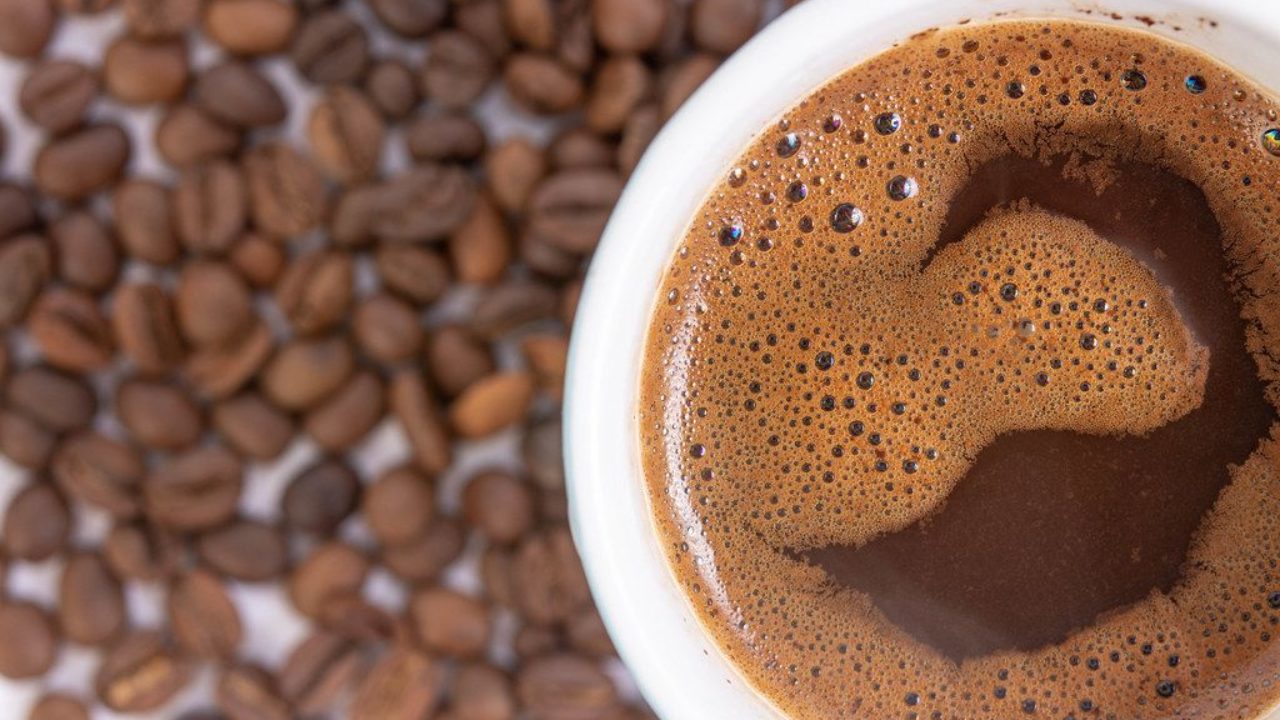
679,669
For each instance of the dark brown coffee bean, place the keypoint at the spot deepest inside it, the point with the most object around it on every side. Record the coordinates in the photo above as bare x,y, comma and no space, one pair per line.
549,583
392,87
25,266
155,19
187,135
532,23
480,248
346,134
542,84
203,619
483,20
416,274
28,641
547,355
342,420
450,137
70,330
144,552
246,550
481,692
588,635
496,574
87,254
286,191
237,94
246,692
194,491
145,328
91,608
424,204
683,78
57,706
628,26
402,685
315,290
620,84
351,222
318,671
144,221
24,441
458,69
159,415
577,148
546,259
25,26
257,259
410,18
96,470
140,673
509,306
417,413
351,616
56,401
214,303
514,169
210,205
499,505
320,497
305,372
17,210
456,359
334,568
640,130
37,523
387,329
56,94
566,687
330,47
576,47
250,27
220,372
423,559
450,623
569,209
398,507
253,426
146,71
721,26
77,165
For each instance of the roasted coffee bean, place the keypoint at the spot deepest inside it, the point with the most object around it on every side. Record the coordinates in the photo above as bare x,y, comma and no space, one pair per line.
245,550
445,137
683,79
25,266
578,148
576,48
342,420
86,251
402,685
423,204
410,18
320,497
481,692
144,221
330,47
588,635
145,328
214,304
499,505
141,551
315,290
480,249
220,372
24,441
140,673
286,191
84,162
392,88
210,205
247,692
91,609
258,260
57,706
305,372
423,559
491,404
25,26
620,85
237,94
70,330
253,426
456,359
416,410
533,640
346,133
250,27
159,415
547,355
84,7
334,568
203,619
387,329
317,671
398,507
458,69
721,26
37,523
532,23
351,223
196,490
146,71
57,93
569,209
28,640
558,687
17,211
96,470
628,26
482,20
55,400
450,623
512,305
154,19
187,135
416,274
541,84
640,130
547,577
351,616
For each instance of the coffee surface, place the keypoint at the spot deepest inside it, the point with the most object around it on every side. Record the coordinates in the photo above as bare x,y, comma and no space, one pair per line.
957,396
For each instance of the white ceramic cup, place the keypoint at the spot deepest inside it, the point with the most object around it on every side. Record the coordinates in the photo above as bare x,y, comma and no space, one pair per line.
680,670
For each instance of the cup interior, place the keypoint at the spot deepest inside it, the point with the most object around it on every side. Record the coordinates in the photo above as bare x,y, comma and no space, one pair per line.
680,670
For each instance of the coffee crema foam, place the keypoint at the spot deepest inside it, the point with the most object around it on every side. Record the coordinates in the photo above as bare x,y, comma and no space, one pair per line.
819,372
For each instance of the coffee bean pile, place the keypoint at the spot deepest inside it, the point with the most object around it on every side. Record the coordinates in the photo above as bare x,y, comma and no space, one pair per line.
265,269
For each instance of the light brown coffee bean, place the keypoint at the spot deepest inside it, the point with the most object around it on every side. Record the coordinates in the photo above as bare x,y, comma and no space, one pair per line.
416,274
532,23
346,133
332,569
144,221
91,608
82,163
480,248
481,692
444,137
143,319
569,209
196,490
588,635
257,259
210,206
253,426
423,204
482,20
306,371
315,290
57,706
25,26
330,47
155,19
98,471
410,18
566,687
722,26
25,266
320,497
491,404
202,616
214,304
70,330
17,210
456,359
458,69
547,355
398,507
387,329
159,415
235,93
512,305
28,640
141,551
87,253
146,71
628,26
416,411
221,371
450,623
533,640
639,131
37,523
499,505
402,685
514,168
577,148
56,94
423,559
392,88
317,671
542,84
247,692
140,673
25,442
187,135
549,583
342,420
246,550
286,191
620,84
53,399
683,79
250,27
